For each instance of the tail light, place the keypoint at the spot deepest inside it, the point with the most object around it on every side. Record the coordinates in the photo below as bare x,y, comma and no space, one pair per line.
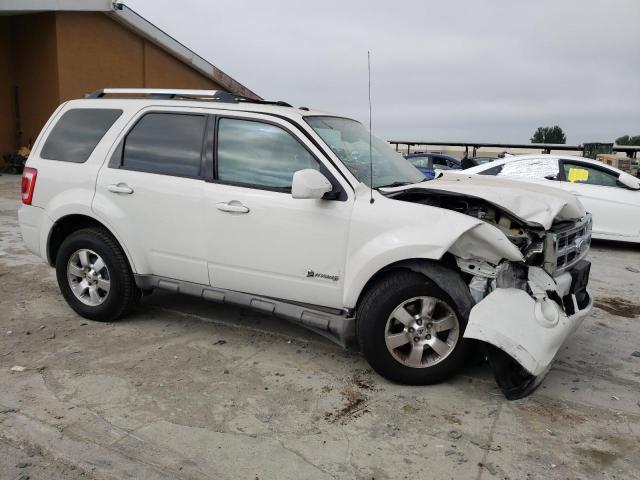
28,184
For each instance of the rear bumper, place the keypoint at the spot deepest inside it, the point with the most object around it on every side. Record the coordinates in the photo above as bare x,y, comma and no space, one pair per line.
35,225
530,328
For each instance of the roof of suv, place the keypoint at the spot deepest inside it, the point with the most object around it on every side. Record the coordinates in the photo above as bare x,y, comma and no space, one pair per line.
197,98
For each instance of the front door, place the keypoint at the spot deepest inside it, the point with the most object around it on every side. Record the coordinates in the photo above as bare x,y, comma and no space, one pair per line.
260,240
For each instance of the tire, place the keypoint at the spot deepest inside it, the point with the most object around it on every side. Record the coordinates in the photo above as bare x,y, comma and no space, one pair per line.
381,334
114,290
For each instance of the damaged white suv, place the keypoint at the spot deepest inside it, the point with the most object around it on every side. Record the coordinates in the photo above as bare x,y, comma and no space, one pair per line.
264,205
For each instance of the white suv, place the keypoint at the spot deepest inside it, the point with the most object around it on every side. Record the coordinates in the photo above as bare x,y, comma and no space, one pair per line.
265,205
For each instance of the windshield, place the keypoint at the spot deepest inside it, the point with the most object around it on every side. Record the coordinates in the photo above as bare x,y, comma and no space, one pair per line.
349,140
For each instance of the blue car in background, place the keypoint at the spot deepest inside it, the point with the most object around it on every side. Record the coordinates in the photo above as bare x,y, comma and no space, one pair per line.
428,162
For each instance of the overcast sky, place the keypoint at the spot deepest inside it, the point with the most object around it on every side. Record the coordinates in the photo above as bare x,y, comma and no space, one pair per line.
462,70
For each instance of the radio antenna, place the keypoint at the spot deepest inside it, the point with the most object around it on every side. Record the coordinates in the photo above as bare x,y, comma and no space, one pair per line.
370,148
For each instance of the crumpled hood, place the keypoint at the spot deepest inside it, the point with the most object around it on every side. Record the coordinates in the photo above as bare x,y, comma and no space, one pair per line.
532,203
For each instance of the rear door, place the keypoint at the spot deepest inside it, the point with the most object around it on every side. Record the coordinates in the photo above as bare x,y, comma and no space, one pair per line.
615,208
151,193
260,240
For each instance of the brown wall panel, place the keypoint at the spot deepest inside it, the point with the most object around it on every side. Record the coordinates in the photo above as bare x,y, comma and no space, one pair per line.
163,70
57,56
33,44
95,52
7,114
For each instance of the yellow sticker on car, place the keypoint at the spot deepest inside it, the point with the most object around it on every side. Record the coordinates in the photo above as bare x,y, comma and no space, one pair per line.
578,175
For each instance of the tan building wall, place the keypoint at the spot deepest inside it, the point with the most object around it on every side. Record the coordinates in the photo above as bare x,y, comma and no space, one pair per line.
161,70
7,114
57,56
95,52
35,70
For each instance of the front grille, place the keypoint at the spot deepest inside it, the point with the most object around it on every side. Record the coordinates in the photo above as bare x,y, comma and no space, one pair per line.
566,246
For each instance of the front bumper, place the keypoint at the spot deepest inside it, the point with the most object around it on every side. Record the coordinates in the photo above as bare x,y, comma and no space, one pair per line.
526,329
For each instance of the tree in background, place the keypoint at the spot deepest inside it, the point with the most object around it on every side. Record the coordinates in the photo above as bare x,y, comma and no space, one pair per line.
627,140
549,135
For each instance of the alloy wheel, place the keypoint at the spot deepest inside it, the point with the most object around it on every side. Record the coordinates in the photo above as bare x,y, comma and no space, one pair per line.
422,331
88,277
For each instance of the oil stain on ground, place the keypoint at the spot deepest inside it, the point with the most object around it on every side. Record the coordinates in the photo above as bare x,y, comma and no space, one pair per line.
618,306
550,412
354,400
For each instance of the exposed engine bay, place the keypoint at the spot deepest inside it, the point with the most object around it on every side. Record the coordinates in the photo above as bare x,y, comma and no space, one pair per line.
528,239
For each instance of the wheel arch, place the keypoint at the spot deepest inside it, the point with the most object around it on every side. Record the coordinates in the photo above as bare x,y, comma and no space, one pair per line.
67,224
444,273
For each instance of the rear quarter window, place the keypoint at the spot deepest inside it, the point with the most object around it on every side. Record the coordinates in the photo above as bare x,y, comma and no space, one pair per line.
77,132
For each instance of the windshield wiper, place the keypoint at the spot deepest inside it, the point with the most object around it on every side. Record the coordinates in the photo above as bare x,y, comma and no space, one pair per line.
395,184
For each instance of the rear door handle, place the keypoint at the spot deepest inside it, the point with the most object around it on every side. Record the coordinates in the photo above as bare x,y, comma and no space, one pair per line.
120,188
233,206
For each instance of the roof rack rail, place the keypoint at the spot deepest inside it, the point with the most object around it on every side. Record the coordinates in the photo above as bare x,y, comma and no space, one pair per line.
181,93
168,92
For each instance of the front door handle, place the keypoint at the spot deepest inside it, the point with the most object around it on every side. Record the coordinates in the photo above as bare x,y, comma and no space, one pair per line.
120,188
233,206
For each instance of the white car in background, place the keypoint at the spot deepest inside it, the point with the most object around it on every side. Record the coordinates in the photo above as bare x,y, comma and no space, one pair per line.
609,194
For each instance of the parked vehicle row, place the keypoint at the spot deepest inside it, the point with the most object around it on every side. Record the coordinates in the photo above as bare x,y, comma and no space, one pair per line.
609,194
301,214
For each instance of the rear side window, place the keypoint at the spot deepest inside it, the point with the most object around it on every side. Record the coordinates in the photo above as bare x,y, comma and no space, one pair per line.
531,168
76,134
165,143
491,171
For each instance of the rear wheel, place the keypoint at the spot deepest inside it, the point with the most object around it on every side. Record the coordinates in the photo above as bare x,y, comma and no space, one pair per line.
410,330
94,275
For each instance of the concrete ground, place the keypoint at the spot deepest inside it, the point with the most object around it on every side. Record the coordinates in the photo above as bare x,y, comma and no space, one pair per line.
189,389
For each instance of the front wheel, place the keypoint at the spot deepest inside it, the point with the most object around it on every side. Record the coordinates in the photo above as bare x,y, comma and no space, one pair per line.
410,330
94,275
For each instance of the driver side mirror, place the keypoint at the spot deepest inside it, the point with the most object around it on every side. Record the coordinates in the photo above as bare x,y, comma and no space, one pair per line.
309,183
629,181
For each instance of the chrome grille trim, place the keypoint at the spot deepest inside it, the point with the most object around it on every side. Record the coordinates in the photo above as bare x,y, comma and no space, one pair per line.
567,246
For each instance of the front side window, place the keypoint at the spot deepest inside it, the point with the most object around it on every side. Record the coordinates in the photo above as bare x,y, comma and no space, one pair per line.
580,173
531,168
165,143
259,154
77,133
349,140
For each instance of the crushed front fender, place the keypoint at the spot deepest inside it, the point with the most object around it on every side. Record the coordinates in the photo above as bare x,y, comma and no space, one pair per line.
525,332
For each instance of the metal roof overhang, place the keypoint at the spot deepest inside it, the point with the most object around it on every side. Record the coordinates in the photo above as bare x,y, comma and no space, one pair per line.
135,22
548,147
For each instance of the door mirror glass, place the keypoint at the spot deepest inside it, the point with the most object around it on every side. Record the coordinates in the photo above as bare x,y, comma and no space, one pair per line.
309,183
629,181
